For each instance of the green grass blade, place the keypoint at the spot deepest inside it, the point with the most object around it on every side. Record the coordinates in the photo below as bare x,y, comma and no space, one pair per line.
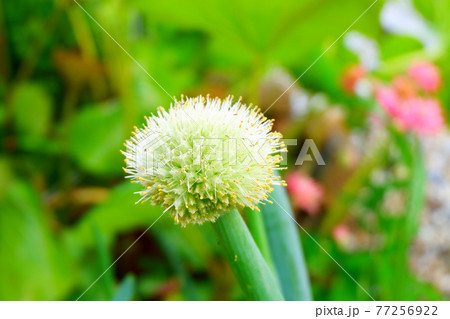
285,246
104,261
245,259
416,190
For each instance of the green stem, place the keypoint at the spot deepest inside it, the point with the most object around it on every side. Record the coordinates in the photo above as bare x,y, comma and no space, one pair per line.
285,246
406,228
245,259
256,226
416,191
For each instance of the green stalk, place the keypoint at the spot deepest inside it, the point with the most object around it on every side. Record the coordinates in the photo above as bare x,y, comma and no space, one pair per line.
416,191
255,224
245,259
407,229
339,206
285,245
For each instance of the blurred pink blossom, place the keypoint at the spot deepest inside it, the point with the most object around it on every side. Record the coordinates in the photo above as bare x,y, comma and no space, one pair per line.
389,99
426,75
306,193
422,115
341,233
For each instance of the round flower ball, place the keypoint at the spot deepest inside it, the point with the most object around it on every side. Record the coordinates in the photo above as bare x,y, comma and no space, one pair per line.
204,157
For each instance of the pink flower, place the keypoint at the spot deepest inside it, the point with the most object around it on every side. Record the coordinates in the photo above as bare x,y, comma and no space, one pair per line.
306,193
426,75
422,115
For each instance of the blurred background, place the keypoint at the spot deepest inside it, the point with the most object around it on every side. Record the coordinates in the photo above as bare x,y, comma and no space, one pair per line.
69,97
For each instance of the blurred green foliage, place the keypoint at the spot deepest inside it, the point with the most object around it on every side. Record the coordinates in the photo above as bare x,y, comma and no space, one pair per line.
69,96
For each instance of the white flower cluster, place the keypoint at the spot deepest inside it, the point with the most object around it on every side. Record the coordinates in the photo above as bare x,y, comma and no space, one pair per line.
204,157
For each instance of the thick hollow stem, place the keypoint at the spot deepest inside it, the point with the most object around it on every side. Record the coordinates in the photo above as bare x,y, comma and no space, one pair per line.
245,259
285,246
255,224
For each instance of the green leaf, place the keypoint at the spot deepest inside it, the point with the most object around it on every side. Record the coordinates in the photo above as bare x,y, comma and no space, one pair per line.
104,262
285,245
6,173
253,30
32,110
174,255
416,191
245,259
96,138
34,265
118,214
395,46
2,114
